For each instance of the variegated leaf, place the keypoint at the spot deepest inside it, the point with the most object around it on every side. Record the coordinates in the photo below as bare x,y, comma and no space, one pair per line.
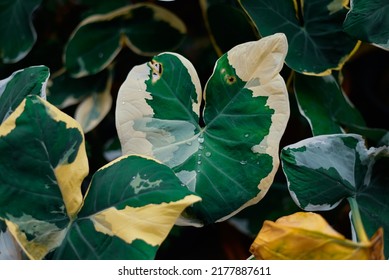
15,88
43,162
314,28
231,161
131,205
146,29
323,170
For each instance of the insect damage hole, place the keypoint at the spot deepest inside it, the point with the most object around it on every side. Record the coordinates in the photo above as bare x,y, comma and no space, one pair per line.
156,70
230,79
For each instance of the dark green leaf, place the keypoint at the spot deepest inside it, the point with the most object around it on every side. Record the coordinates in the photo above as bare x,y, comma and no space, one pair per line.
368,20
324,170
314,28
322,102
17,34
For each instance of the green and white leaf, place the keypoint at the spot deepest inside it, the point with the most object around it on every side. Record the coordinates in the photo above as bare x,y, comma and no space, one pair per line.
130,207
64,91
227,24
314,28
232,160
15,88
368,20
42,167
146,29
17,33
92,110
323,170
322,102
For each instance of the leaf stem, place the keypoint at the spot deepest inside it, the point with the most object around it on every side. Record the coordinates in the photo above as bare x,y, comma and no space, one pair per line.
357,220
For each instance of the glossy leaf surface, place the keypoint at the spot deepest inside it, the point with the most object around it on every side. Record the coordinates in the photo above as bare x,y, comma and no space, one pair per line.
307,236
15,88
322,102
42,167
231,161
17,33
314,28
324,170
368,20
146,29
131,205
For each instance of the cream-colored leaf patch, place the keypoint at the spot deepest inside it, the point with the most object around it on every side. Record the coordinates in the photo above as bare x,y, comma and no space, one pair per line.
140,184
70,175
336,6
150,223
46,236
10,123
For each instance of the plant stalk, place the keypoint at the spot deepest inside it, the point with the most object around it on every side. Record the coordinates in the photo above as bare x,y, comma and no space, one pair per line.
357,220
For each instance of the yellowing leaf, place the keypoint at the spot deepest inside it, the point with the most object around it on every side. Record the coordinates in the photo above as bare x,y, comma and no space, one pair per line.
307,236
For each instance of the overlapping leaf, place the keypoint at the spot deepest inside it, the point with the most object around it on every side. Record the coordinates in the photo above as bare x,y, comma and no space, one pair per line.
368,20
307,236
92,92
322,102
231,161
42,167
146,29
130,208
132,203
324,170
17,33
227,24
314,28
14,89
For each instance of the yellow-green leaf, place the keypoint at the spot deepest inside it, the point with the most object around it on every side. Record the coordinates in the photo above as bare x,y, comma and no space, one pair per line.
306,235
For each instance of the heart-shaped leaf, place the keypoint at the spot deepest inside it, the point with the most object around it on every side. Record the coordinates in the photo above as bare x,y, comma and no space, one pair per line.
15,88
146,29
317,43
307,236
130,208
368,20
17,33
42,167
232,160
131,204
324,170
322,102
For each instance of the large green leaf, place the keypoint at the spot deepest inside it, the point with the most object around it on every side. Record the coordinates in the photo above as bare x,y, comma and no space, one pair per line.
43,162
322,102
232,160
130,208
227,24
324,170
368,20
15,88
146,29
314,28
17,34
